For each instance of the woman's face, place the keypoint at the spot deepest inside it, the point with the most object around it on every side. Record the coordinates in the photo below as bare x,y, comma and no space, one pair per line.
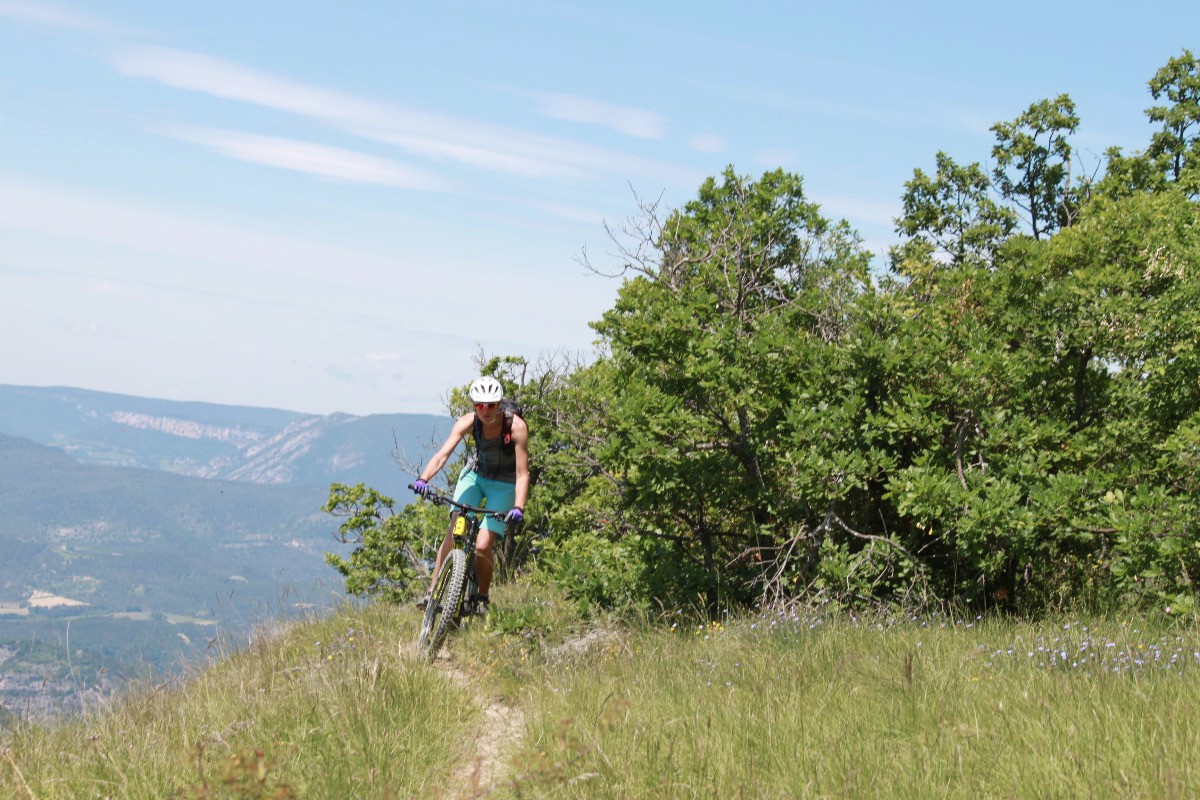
487,412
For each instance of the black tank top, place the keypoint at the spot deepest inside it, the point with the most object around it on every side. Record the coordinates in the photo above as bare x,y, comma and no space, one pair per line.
493,460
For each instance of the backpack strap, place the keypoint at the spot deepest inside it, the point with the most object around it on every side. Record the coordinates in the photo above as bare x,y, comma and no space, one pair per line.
506,431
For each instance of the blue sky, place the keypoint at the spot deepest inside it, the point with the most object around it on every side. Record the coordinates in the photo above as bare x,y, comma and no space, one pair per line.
333,206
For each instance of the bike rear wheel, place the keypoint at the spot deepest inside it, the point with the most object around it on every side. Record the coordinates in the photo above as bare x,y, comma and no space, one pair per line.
444,603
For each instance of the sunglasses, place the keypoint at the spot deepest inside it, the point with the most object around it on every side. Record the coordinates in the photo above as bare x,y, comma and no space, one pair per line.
485,406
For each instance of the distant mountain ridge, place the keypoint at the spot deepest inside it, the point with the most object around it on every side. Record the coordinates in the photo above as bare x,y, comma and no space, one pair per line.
135,532
206,440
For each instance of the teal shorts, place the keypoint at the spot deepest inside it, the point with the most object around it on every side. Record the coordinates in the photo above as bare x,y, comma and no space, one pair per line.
494,495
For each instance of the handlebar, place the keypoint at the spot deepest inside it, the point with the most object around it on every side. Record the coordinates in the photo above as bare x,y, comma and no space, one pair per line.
439,499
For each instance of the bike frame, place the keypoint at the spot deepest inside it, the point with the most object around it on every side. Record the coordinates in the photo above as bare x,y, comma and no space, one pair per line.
438,618
467,542
474,516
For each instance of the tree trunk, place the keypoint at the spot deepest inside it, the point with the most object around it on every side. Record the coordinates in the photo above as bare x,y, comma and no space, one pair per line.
1085,355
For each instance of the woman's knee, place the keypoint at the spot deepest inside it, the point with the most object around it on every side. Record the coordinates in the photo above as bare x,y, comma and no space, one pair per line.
485,541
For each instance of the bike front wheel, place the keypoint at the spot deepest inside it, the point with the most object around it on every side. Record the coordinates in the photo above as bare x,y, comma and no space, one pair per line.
444,603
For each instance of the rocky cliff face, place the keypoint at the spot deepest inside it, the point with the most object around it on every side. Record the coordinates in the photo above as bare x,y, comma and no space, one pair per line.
268,446
279,458
186,428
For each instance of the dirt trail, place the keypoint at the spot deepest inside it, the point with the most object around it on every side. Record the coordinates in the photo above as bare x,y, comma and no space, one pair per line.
495,740
498,736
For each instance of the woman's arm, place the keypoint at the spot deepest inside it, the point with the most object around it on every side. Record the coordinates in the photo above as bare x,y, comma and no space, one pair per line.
439,459
520,437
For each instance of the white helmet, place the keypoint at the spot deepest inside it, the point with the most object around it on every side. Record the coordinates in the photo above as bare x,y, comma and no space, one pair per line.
486,390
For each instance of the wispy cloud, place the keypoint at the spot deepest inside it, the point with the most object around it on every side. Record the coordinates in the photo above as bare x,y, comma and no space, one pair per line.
707,143
436,136
380,372
625,120
314,159
54,15
67,215
220,78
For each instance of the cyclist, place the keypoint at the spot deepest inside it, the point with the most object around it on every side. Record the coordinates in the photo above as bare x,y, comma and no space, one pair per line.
498,473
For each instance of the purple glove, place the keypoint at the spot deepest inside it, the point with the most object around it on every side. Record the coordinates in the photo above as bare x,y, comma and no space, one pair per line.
421,487
514,516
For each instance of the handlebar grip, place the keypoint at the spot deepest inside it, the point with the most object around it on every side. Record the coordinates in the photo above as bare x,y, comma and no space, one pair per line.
437,498
432,495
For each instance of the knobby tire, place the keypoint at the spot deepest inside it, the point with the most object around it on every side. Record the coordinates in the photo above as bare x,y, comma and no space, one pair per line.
444,603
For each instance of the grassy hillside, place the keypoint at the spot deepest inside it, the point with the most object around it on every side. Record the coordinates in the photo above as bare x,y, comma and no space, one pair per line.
538,703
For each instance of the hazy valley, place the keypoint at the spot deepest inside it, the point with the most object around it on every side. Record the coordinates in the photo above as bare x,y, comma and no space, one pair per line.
140,535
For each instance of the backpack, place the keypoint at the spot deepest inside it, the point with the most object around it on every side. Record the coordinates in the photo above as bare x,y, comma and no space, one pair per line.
511,408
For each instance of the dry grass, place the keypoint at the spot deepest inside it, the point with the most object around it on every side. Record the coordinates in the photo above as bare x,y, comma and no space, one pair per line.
786,706
808,707
327,708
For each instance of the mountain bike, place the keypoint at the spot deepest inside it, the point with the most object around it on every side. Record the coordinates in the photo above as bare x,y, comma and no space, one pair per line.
455,585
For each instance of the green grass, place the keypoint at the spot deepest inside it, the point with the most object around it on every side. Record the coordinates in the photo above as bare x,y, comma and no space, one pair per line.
808,707
793,705
328,708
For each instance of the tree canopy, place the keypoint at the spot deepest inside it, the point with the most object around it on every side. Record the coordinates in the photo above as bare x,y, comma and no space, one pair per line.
1007,415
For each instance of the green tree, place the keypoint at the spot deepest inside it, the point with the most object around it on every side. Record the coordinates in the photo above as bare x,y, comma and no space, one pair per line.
951,214
1131,271
1040,414
1177,144
1015,427
388,561
998,419
706,341
1033,163
1125,175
